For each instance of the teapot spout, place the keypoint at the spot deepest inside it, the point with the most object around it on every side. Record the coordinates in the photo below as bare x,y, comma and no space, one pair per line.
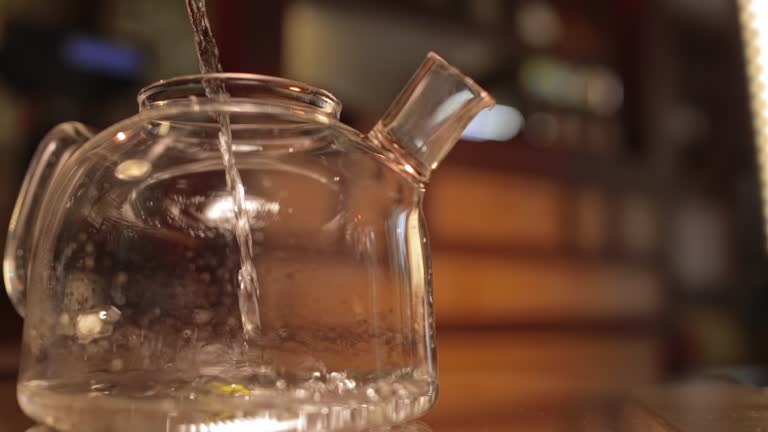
428,117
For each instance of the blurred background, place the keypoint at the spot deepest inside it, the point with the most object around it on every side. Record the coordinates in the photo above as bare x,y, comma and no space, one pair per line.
599,230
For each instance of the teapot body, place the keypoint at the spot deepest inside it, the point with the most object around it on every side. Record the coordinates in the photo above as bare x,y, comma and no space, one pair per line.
130,271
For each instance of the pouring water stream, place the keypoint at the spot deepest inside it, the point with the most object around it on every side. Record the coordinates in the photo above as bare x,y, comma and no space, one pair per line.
208,58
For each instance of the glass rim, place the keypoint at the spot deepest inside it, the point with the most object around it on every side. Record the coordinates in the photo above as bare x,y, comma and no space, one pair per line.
241,87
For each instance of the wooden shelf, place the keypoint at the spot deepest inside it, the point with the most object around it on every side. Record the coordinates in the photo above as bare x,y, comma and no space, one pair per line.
476,290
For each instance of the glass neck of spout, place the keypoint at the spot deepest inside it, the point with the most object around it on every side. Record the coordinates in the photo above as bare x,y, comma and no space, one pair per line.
429,116
239,88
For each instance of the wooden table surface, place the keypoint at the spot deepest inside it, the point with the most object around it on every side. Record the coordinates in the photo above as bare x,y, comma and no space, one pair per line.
527,396
680,408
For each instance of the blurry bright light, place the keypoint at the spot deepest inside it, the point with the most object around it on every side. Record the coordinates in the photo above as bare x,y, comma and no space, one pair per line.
754,25
539,24
604,91
294,88
121,136
103,56
500,123
598,89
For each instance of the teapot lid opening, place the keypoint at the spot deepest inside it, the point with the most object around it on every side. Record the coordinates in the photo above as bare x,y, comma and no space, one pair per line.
240,87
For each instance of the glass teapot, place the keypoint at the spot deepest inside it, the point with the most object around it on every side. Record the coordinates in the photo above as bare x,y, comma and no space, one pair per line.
122,259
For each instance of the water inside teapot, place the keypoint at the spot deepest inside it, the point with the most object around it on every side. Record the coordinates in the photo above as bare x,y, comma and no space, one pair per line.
298,374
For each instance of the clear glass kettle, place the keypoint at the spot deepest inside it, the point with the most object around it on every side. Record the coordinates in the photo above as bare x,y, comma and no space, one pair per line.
121,258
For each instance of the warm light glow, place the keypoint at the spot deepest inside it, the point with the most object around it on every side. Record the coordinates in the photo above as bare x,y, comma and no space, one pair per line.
409,169
754,25
121,136
294,88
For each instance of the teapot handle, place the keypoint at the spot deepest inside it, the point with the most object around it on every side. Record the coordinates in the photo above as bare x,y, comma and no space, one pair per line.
54,150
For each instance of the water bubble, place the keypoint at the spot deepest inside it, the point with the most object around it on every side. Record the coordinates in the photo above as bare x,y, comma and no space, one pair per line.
151,392
281,384
101,387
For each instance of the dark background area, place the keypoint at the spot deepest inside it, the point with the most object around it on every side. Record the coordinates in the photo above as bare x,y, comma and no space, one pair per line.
616,239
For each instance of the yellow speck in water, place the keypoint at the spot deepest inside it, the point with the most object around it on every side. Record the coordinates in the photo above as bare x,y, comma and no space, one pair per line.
229,389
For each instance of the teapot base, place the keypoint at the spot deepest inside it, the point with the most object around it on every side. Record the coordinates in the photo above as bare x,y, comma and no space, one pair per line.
151,401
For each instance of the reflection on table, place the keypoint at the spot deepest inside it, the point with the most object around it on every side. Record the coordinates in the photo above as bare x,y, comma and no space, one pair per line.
705,405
